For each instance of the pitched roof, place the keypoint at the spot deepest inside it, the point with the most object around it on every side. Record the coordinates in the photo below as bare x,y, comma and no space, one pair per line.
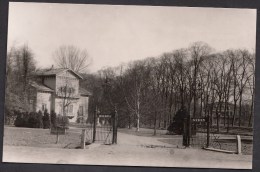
54,72
84,92
41,87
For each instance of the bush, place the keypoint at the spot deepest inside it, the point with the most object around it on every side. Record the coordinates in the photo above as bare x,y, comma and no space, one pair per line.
19,121
9,117
32,120
176,127
46,119
39,119
62,121
53,118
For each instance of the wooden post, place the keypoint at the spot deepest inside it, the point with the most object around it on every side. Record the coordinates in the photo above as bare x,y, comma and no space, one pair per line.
94,126
208,130
189,130
114,139
239,145
184,134
83,138
57,136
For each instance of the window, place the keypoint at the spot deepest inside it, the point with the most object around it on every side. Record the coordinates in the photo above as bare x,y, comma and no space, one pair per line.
81,110
60,109
70,109
44,106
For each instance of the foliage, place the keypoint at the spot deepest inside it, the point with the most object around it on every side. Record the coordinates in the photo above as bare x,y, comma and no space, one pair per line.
62,121
30,120
53,118
176,127
149,92
72,57
20,68
46,119
9,117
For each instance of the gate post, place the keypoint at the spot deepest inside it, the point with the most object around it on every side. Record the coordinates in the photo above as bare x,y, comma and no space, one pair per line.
184,134
186,131
208,130
189,130
115,116
83,138
94,126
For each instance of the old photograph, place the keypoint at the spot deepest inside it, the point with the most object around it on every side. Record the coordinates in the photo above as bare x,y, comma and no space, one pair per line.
130,85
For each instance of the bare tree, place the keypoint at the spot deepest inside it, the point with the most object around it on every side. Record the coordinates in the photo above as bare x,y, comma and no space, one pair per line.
198,52
251,84
72,58
67,93
20,69
136,84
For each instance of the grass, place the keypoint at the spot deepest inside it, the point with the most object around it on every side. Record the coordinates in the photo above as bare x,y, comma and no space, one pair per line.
225,144
146,132
15,136
40,138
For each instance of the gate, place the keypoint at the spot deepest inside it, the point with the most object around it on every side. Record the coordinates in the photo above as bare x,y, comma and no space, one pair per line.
102,129
196,132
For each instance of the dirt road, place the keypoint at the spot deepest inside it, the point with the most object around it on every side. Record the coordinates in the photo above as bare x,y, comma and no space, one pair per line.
130,151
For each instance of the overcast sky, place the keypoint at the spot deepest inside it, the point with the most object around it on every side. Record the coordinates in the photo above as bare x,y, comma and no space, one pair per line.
114,34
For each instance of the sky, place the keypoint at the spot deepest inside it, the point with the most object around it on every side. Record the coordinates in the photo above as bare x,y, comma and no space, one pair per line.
115,34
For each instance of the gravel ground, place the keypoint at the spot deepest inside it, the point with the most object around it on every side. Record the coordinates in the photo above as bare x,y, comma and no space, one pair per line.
122,154
14,136
24,145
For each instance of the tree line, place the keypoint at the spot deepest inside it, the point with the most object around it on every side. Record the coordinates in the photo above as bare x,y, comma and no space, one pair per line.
149,92
21,70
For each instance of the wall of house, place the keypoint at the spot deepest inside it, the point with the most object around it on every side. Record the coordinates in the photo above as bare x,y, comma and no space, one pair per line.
43,98
83,101
67,78
32,99
50,81
59,108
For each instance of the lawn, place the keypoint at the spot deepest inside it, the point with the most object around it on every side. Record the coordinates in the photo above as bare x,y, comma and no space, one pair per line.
145,132
32,137
35,137
228,142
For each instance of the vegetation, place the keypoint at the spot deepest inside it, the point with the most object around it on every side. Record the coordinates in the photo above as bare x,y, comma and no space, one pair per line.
30,120
149,92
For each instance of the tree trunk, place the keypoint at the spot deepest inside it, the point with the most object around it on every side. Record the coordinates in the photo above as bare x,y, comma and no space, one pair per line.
240,110
234,113
155,121
251,111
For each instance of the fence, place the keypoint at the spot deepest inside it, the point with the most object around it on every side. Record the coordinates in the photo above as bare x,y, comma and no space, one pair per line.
199,133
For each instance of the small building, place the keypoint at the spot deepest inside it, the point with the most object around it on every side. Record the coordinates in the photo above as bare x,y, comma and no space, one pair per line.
59,90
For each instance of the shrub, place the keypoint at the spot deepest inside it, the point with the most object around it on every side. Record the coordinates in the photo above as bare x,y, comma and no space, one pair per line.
26,117
53,118
46,119
9,116
176,127
19,122
39,119
32,120
62,121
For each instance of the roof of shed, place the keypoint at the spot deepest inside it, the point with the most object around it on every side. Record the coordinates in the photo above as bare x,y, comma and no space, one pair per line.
41,87
55,71
84,92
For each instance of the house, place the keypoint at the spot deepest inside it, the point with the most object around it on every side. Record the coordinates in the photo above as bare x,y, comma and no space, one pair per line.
59,90
225,115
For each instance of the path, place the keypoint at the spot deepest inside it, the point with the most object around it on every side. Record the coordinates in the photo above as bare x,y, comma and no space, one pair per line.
130,151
